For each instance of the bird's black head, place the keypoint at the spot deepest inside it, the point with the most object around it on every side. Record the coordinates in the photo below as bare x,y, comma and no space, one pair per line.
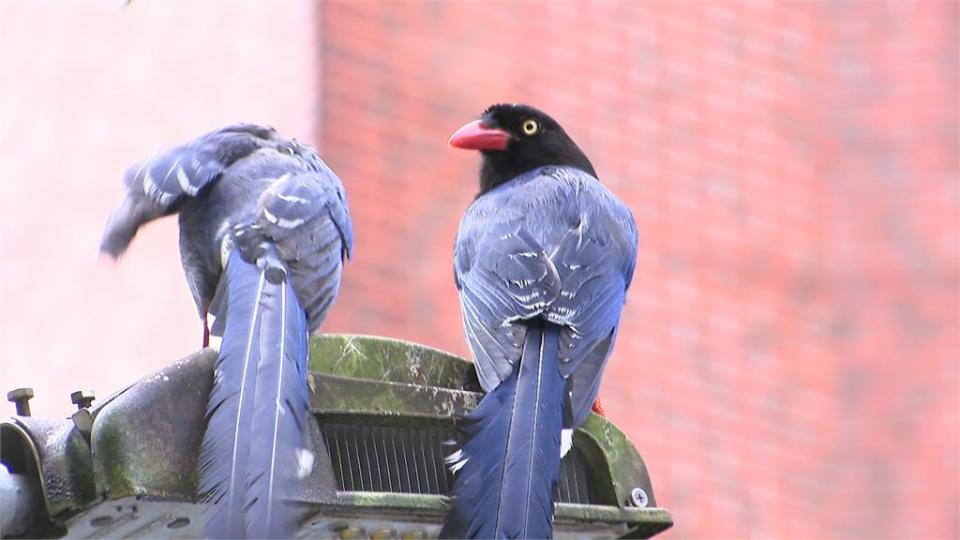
514,139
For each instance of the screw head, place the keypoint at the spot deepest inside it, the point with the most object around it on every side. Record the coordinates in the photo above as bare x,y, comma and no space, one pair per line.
82,398
639,497
21,398
19,393
351,533
383,534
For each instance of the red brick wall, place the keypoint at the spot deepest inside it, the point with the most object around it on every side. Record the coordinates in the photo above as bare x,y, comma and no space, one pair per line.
788,362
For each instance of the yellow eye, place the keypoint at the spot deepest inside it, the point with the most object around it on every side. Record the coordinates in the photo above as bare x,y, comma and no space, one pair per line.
531,127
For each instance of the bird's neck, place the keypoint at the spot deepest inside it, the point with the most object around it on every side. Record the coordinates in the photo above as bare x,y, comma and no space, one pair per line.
494,171
497,168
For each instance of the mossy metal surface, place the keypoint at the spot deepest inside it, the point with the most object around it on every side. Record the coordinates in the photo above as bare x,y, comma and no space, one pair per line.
372,511
385,359
142,451
627,469
387,377
434,505
366,375
59,454
145,441
344,395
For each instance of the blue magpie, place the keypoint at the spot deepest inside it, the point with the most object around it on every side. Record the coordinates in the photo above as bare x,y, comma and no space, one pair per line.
542,262
264,233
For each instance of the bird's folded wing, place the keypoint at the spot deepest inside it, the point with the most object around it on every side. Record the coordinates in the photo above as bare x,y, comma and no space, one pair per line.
304,215
157,186
595,261
503,275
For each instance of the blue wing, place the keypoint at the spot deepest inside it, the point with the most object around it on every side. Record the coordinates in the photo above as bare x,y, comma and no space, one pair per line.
304,216
504,275
157,186
595,260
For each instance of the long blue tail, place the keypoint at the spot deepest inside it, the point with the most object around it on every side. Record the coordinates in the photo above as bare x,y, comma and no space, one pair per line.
253,449
504,488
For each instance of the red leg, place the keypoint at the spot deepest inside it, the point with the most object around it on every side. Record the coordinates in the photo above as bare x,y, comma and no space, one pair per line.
206,328
597,408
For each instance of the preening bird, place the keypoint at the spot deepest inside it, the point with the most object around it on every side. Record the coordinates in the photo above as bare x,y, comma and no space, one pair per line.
542,262
264,233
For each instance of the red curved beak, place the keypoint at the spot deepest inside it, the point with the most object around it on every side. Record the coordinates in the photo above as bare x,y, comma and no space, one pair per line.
476,136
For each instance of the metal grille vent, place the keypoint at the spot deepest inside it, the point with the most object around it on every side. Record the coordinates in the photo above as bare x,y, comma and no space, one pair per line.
410,460
387,458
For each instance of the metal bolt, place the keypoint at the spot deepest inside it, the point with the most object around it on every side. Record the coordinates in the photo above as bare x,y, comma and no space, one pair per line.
639,497
383,534
83,421
351,533
82,398
338,526
178,523
101,521
21,398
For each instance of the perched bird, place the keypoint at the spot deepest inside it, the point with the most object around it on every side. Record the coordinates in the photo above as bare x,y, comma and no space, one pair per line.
542,262
264,232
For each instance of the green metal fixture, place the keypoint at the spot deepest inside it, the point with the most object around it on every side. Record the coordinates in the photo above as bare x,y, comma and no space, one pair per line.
385,414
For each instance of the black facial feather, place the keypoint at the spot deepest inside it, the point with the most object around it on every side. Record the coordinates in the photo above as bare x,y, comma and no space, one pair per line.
549,145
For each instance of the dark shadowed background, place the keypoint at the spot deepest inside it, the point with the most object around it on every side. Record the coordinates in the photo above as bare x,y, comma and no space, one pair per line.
788,363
